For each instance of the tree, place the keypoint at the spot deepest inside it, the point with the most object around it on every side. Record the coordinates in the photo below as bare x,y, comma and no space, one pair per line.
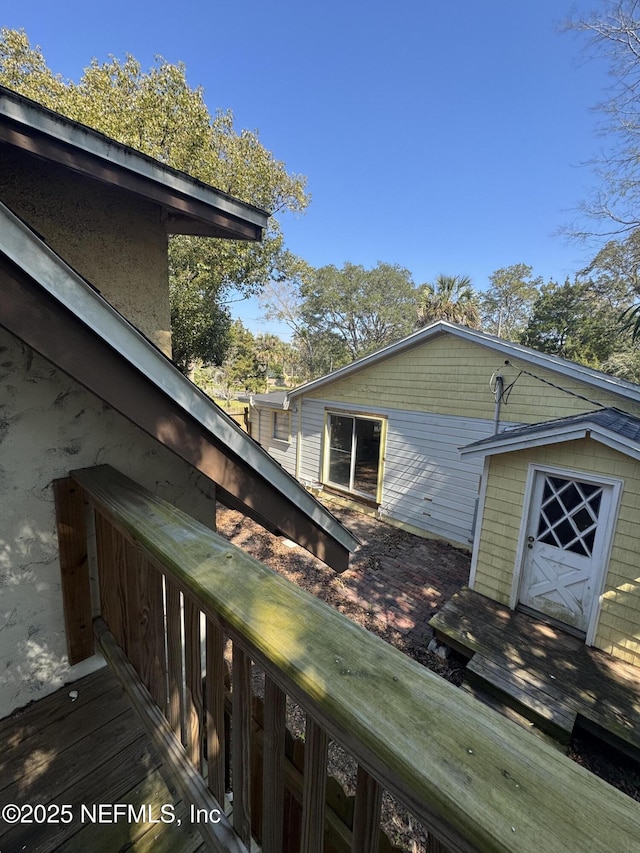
506,305
359,309
242,368
613,34
571,320
450,297
157,112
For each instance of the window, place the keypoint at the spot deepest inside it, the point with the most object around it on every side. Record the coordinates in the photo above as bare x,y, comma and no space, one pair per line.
352,458
282,426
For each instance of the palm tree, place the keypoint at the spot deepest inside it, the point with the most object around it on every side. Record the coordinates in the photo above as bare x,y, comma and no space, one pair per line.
451,298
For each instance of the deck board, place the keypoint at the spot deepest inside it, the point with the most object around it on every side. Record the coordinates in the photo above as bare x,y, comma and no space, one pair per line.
92,750
538,664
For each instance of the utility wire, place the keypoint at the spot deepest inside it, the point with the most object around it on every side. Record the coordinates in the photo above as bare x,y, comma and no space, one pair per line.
507,390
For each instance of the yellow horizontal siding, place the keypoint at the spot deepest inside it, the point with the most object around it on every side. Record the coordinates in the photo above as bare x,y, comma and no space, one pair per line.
500,528
618,629
448,375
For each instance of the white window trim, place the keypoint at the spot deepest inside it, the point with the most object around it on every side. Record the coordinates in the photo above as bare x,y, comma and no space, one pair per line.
274,421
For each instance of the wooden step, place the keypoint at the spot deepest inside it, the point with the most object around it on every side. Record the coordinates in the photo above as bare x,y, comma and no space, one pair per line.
539,701
491,699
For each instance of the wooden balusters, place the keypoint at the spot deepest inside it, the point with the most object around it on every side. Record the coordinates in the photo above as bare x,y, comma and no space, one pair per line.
366,817
275,704
214,703
314,788
240,741
193,683
175,660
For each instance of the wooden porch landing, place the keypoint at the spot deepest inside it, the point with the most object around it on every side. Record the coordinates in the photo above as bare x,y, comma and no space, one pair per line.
89,751
549,677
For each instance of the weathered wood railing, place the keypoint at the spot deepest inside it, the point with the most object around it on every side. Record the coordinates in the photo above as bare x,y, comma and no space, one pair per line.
477,781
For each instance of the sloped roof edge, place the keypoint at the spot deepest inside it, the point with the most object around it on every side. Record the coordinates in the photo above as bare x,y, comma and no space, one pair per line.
24,249
609,426
33,116
507,349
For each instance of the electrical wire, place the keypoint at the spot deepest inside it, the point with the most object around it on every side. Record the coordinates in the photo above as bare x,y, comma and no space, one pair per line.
507,390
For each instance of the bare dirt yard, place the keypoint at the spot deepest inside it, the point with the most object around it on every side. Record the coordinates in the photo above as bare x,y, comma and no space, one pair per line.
395,583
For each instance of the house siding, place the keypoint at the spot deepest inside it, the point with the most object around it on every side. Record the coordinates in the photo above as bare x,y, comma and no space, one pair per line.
83,220
50,425
283,452
425,484
617,630
449,375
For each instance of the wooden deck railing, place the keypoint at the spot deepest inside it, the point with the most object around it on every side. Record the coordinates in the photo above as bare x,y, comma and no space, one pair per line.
475,780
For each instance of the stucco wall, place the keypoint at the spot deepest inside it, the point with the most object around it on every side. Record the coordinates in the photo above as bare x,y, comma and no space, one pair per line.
618,630
49,425
118,243
448,375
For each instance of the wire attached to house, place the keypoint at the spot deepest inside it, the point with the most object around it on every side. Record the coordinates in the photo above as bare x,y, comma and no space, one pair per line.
547,382
498,389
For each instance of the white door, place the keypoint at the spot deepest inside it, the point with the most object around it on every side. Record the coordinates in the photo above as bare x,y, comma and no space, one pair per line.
564,547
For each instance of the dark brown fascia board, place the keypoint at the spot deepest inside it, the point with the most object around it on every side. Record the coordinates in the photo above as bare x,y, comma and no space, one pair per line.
45,325
192,207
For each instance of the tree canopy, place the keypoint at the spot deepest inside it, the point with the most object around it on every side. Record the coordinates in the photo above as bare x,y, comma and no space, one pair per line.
450,297
158,113
613,34
506,304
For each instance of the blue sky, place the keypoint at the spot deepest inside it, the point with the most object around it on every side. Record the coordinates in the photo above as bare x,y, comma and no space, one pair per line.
447,138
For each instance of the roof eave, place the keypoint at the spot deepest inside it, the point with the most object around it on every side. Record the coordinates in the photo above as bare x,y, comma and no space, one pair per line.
508,349
541,438
192,206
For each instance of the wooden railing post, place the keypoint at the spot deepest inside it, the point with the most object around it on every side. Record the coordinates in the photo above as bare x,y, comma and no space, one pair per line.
74,568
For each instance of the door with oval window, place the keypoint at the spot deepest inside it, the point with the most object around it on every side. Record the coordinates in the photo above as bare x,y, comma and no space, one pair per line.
565,547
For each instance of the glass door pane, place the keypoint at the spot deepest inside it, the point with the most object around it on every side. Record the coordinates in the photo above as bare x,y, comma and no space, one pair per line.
367,456
340,443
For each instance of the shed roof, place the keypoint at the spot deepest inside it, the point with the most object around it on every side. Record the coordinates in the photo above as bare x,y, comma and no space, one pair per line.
191,206
271,400
609,426
507,349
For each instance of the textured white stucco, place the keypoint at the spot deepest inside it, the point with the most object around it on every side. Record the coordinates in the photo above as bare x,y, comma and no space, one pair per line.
50,425
116,241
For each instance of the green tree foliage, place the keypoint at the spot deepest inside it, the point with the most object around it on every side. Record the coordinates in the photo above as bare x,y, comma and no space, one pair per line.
158,113
450,297
506,304
338,315
242,369
573,321
356,309
614,276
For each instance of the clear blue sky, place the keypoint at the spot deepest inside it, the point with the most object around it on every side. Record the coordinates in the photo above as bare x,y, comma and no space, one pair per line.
445,137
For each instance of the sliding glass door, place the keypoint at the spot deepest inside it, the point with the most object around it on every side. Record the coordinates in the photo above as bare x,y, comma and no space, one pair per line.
353,453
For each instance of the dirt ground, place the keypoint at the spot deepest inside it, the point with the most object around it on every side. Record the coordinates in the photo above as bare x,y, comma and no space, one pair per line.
395,583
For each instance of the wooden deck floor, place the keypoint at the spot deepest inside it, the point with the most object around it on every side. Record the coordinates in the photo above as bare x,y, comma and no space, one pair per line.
85,752
547,675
